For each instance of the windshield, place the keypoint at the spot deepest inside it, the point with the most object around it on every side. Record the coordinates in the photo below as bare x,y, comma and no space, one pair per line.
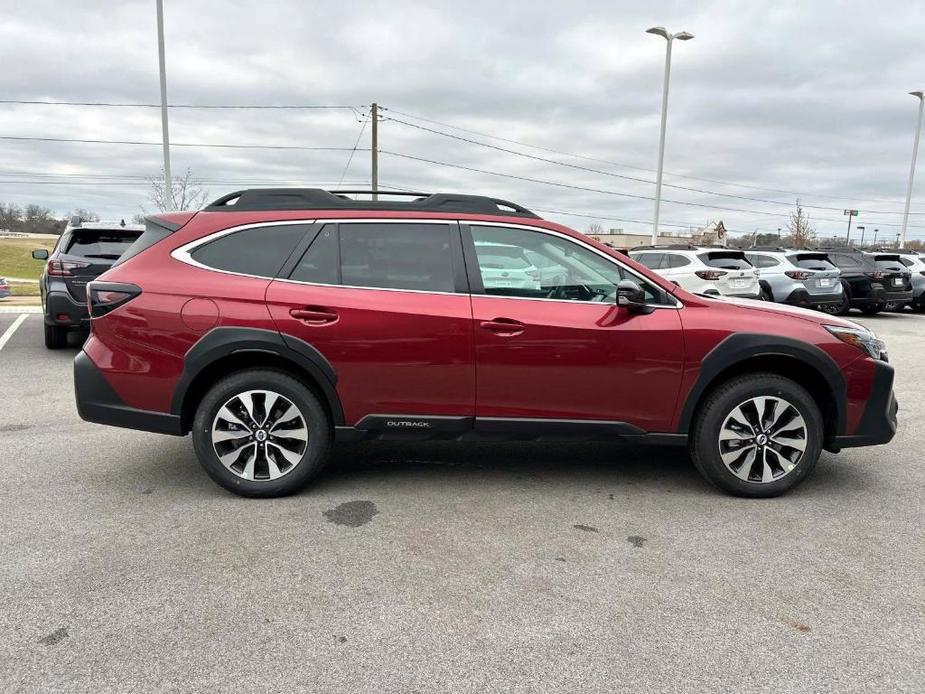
100,243
727,260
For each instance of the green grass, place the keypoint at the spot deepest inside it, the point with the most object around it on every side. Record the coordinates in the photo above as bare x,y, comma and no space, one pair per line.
16,257
24,289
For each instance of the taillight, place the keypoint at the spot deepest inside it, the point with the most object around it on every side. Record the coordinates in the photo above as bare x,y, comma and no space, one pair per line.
797,274
103,297
875,275
710,274
63,268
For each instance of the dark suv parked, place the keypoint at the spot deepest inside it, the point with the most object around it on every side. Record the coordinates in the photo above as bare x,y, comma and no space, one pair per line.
84,252
871,280
276,322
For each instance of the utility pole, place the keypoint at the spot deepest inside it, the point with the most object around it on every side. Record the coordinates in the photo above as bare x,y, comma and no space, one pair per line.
861,229
876,231
374,112
920,95
168,180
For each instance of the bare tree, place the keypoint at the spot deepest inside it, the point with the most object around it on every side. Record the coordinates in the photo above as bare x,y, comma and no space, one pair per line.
186,193
800,230
595,229
84,215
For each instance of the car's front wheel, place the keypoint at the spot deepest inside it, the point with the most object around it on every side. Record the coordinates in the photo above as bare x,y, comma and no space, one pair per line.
757,435
261,433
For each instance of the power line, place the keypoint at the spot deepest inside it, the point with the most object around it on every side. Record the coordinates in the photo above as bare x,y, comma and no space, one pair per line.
176,144
601,191
637,168
630,178
194,106
353,151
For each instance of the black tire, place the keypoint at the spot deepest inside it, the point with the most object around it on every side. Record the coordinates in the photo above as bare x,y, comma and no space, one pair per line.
705,443
918,306
873,309
55,336
765,296
317,424
845,305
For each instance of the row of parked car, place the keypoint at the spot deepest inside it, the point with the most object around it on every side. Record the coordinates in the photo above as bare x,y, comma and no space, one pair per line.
833,280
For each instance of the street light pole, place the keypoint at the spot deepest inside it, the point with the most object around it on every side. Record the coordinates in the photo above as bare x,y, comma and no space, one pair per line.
669,38
915,150
168,181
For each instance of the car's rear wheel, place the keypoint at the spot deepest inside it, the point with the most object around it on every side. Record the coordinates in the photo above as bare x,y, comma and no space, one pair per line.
765,295
757,435
261,433
873,309
55,336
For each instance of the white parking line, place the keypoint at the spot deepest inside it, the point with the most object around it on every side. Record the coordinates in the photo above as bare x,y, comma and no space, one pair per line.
12,329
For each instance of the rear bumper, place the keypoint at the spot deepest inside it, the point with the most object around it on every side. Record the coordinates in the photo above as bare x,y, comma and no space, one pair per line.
802,297
97,402
878,422
61,309
879,295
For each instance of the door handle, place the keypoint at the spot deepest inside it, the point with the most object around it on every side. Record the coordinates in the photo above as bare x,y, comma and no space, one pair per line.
505,327
314,316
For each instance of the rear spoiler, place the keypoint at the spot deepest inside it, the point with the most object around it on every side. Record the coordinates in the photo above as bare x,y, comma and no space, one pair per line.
171,221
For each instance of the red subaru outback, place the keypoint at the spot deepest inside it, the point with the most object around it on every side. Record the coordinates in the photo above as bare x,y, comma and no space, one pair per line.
276,322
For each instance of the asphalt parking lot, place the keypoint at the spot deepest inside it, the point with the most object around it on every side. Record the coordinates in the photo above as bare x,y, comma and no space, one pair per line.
441,567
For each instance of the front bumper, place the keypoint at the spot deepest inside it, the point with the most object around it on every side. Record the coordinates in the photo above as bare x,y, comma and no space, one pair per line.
97,402
61,309
878,422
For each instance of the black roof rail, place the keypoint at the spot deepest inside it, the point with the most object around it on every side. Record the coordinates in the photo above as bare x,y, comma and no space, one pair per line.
767,248
318,199
837,249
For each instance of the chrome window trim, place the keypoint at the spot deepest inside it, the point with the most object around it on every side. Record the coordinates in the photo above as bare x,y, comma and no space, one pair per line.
183,254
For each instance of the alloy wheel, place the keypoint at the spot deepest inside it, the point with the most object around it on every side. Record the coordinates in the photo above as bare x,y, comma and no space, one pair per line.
762,439
259,435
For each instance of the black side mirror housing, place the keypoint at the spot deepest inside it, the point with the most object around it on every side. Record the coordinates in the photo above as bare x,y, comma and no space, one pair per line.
631,297
40,254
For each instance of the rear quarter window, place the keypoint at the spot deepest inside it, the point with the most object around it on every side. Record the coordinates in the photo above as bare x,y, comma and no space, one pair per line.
258,251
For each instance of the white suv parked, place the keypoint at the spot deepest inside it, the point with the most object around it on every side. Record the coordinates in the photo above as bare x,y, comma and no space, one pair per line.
702,270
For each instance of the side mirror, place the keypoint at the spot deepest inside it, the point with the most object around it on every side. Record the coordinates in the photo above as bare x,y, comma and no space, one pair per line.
40,254
631,297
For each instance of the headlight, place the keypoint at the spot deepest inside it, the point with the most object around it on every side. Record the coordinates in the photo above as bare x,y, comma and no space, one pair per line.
861,338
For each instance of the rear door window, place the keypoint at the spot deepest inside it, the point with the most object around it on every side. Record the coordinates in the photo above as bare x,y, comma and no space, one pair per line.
319,263
762,260
258,251
677,260
727,260
100,243
398,256
653,261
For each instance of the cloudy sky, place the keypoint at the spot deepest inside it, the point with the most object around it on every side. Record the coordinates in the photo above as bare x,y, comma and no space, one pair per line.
770,102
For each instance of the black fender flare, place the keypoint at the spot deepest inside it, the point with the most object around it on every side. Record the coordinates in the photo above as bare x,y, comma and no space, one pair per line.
225,341
740,347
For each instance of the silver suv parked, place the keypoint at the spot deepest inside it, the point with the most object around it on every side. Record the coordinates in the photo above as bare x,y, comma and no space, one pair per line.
797,277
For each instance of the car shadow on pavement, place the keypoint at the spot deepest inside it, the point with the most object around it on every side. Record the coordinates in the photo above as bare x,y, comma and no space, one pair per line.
615,466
